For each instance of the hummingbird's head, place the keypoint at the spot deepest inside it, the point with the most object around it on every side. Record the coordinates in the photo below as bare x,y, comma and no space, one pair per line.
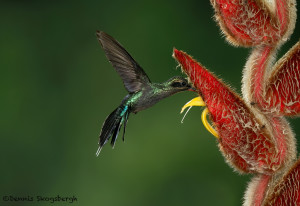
179,83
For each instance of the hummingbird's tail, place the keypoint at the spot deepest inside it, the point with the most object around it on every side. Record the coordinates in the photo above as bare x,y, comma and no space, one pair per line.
112,126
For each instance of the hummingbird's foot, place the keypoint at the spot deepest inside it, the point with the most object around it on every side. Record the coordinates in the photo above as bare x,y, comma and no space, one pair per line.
198,101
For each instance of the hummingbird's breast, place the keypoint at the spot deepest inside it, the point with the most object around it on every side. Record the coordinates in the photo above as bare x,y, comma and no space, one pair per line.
147,98
141,101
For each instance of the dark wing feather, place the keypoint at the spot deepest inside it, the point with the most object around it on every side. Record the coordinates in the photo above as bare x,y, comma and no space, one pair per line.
133,76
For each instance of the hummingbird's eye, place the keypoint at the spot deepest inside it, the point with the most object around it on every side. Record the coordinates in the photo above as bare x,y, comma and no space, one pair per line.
176,84
179,84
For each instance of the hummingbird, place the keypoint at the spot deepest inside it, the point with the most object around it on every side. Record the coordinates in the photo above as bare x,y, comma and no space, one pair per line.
142,93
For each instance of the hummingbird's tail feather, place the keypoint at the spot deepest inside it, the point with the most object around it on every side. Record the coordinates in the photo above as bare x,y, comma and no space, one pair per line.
98,151
115,134
125,122
112,126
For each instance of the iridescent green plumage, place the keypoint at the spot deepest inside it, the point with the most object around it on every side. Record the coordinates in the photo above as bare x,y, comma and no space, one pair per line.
142,93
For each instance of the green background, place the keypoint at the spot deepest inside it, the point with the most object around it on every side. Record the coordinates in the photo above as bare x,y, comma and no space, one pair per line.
57,87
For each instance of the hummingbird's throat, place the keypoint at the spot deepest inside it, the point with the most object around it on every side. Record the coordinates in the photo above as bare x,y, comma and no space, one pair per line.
198,101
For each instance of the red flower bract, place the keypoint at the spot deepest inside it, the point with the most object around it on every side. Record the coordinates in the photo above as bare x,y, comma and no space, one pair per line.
253,134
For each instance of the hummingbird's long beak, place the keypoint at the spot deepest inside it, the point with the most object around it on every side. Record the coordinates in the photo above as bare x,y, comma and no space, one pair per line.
192,89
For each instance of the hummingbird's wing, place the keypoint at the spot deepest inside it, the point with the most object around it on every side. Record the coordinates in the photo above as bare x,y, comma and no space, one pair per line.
133,76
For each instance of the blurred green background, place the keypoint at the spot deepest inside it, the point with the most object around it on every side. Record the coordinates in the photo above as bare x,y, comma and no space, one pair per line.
57,87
